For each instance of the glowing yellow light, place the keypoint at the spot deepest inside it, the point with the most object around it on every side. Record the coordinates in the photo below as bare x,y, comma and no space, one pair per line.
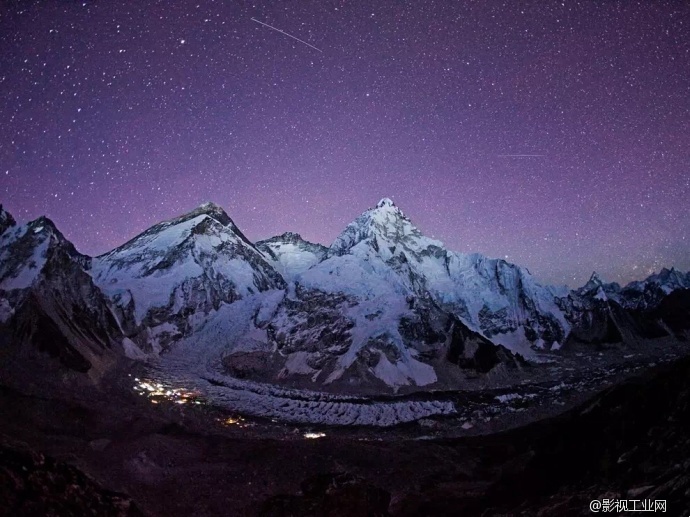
237,421
158,392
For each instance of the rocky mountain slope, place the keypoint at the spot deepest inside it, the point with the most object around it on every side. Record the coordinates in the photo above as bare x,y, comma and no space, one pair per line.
49,304
383,307
387,305
166,279
290,254
601,313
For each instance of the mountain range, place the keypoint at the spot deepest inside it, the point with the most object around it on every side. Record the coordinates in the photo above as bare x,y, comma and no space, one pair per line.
383,307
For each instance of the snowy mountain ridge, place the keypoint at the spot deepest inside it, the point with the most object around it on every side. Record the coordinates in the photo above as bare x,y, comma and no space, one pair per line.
498,299
170,275
384,307
638,294
290,254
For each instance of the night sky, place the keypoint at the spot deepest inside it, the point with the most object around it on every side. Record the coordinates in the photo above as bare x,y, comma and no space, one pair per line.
553,134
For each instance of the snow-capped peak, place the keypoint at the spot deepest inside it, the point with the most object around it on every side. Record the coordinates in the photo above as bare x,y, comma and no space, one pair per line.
385,202
386,225
598,289
670,276
287,237
25,249
44,228
193,263
593,284
666,279
208,218
290,254
213,210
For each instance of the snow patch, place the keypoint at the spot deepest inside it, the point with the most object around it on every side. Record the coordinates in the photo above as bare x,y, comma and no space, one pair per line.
29,270
132,350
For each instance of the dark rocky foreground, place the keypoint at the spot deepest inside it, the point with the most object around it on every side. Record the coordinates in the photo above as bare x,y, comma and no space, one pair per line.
31,484
79,454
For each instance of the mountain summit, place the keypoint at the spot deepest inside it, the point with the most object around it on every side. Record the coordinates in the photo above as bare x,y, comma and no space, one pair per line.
212,210
49,304
189,264
383,227
385,202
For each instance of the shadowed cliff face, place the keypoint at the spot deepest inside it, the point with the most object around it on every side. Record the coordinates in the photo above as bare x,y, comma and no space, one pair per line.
674,312
55,309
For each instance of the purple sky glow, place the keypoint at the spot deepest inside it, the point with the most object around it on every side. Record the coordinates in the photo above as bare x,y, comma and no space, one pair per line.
553,134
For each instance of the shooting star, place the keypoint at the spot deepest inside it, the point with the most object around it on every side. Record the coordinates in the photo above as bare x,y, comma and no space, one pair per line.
290,35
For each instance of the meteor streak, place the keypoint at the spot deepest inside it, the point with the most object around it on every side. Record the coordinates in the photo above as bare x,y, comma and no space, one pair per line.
290,35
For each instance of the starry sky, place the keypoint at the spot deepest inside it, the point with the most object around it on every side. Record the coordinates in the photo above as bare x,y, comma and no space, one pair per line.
553,134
